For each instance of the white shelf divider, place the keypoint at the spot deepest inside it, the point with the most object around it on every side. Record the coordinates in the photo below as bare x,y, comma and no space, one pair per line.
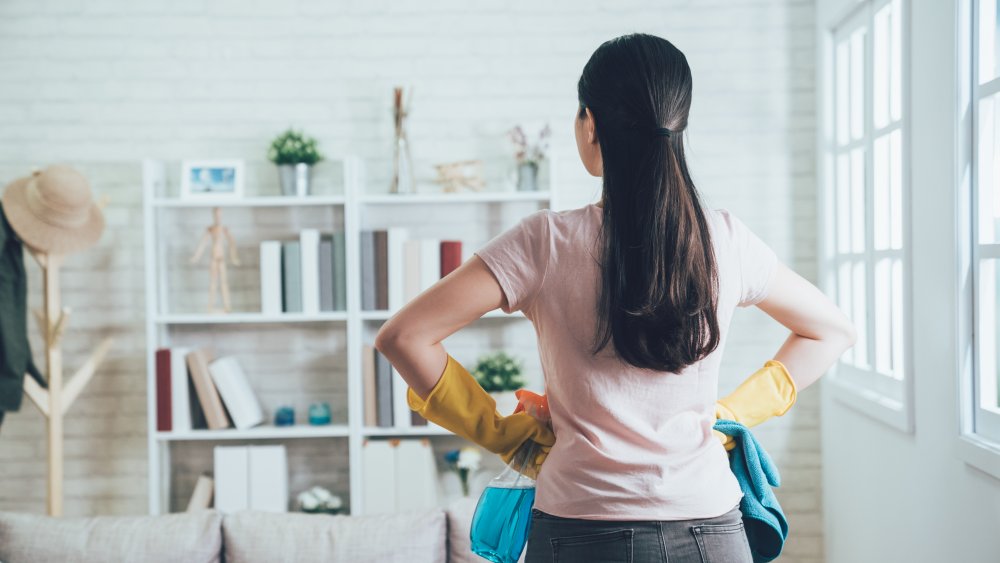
160,322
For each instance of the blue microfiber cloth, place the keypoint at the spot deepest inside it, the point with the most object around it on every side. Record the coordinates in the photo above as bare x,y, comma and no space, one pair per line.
763,519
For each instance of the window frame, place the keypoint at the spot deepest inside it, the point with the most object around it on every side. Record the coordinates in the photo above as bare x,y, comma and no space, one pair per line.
979,449
865,390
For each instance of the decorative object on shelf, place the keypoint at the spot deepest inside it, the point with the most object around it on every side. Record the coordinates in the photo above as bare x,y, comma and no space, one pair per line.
318,500
219,236
500,375
319,414
457,176
284,416
52,214
529,156
295,154
220,179
403,181
465,462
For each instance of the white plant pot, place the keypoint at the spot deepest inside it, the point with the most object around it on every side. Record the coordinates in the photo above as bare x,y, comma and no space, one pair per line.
506,402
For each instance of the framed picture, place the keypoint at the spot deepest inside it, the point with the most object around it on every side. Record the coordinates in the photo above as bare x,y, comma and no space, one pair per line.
212,179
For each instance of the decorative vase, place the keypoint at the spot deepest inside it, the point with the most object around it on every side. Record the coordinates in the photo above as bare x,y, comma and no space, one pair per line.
296,179
506,402
527,176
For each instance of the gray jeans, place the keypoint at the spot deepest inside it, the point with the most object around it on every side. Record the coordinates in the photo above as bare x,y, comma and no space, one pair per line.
553,539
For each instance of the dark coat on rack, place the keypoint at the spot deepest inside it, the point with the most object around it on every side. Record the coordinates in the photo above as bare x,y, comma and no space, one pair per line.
15,353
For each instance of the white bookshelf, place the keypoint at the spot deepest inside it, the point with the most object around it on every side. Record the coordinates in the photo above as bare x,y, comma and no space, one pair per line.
354,207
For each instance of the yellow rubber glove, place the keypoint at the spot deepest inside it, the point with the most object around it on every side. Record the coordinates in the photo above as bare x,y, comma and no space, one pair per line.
457,402
768,392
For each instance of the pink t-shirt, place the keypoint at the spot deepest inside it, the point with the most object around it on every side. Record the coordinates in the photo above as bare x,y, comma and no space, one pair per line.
631,444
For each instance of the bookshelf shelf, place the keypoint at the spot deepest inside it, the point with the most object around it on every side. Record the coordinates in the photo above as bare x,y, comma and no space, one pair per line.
385,315
249,318
265,201
335,336
258,433
457,197
420,431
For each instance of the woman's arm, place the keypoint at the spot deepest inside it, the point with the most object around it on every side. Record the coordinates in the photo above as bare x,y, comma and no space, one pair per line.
411,339
820,330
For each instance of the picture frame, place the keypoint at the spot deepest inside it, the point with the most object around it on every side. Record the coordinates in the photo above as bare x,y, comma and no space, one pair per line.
212,179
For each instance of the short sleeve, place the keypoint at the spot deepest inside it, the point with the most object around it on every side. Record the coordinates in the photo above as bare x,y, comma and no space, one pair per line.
755,261
518,258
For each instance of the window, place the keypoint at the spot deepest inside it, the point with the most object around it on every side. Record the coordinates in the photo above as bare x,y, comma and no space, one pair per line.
866,236
984,221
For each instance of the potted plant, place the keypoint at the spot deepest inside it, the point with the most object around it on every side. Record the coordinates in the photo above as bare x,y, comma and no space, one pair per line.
529,156
318,500
500,375
295,154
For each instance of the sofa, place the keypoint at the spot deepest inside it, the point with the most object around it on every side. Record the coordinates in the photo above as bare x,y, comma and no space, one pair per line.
439,535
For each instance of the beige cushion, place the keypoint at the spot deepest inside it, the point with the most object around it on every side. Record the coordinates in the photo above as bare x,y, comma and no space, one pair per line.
410,537
185,537
460,513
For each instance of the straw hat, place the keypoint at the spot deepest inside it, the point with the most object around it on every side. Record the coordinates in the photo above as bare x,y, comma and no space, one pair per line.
53,210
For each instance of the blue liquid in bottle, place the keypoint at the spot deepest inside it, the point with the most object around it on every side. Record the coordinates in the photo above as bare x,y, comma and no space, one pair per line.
501,523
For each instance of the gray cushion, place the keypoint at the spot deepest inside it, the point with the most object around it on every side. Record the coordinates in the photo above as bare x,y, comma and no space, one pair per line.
410,537
185,537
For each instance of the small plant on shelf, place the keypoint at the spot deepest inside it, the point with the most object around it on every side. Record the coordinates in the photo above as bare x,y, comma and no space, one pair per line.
295,154
498,372
529,156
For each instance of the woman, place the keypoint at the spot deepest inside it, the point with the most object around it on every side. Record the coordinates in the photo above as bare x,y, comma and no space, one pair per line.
631,299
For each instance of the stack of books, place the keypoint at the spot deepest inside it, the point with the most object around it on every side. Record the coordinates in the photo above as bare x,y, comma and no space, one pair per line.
307,275
193,392
385,394
396,268
399,475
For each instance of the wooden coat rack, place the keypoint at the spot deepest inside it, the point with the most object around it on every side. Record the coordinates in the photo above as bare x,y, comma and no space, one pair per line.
54,401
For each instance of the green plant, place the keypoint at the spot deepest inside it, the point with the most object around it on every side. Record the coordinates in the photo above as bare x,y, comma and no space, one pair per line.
498,372
292,147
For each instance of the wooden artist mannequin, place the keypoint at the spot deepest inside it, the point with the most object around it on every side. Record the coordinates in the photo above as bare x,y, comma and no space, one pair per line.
219,236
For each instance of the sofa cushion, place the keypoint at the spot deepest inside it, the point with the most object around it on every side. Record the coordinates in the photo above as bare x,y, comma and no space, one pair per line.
193,537
411,537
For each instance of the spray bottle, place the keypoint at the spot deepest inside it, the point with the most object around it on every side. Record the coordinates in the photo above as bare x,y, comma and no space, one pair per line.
502,519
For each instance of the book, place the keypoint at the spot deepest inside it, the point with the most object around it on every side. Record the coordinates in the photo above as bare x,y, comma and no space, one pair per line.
268,478
201,497
368,377
339,271
411,269
270,277
309,256
379,477
164,391
395,273
430,262
326,296
180,386
208,395
231,478
415,475
451,256
400,409
198,420
236,392
291,276
383,389
381,269
368,270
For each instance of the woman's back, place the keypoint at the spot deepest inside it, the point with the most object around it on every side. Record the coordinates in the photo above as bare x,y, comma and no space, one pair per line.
631,443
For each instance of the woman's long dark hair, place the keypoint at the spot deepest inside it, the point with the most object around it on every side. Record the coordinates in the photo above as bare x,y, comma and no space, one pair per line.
659,277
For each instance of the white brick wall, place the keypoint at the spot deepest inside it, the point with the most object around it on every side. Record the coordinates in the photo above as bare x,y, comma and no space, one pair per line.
102,84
